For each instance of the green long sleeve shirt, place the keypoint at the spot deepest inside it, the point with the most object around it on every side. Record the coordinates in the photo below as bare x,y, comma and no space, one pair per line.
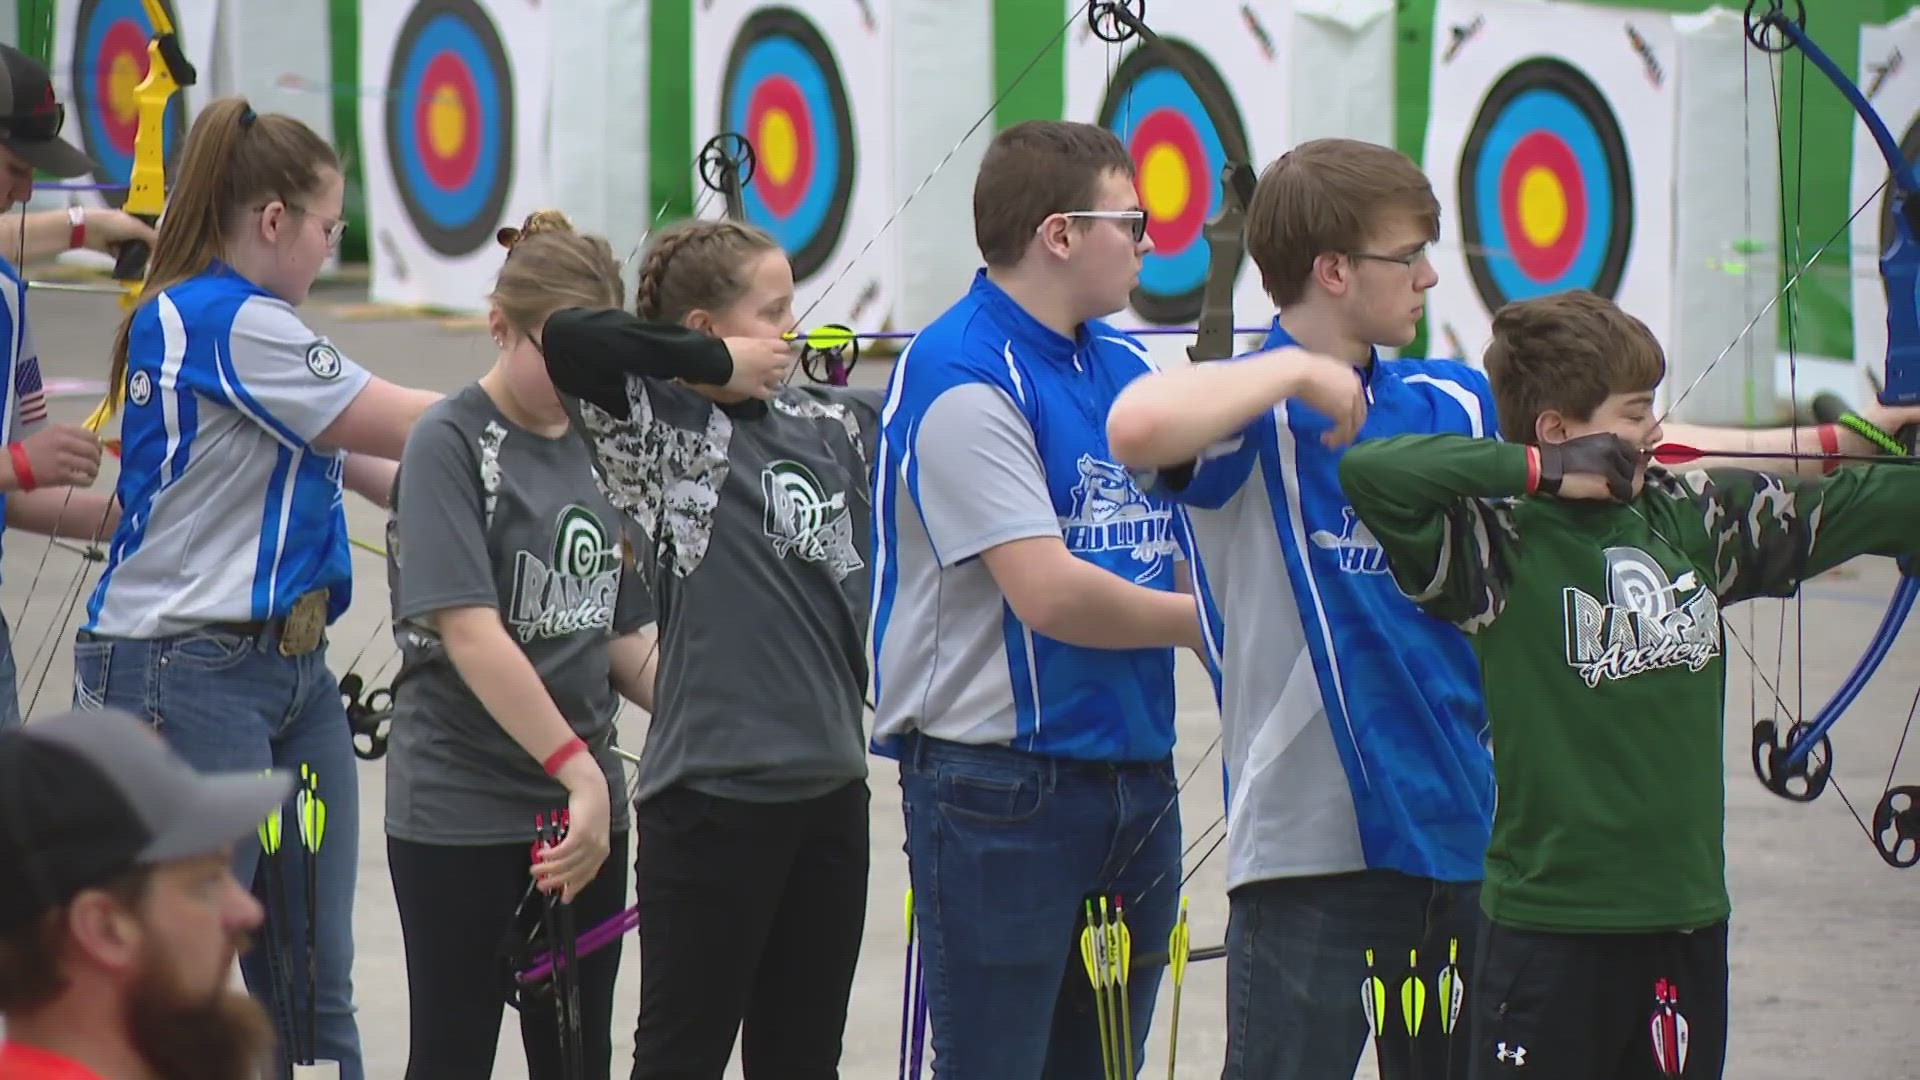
1598,630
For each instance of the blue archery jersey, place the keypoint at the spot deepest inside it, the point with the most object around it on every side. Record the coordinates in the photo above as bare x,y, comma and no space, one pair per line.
994,430
229,510
23,400
1354,734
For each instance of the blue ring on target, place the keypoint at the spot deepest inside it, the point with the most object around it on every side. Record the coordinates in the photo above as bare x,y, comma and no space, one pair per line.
781,44
95,22
1549,98
454,215
1145,85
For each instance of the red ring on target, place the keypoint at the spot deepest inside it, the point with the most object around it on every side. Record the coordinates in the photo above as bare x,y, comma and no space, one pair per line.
785,157
1540,158
124,43
451,166
1163,140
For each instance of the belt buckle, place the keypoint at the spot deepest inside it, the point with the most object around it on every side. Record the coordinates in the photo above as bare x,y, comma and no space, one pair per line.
305,625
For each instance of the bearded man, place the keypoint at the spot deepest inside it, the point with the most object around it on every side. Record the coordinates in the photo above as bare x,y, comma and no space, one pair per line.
121,918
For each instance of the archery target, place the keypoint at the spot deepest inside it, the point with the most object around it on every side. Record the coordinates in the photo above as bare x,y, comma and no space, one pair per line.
1888,56
1546,201
1179,144
1176,145
794,81
455,147
450,124
1554,168
109,58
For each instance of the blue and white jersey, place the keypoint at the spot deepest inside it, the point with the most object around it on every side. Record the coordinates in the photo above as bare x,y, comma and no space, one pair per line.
229,513
23,401
1354,731
994,430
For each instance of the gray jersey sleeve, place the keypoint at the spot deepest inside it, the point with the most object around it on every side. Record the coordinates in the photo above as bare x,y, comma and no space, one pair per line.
288,378
441,523
977,478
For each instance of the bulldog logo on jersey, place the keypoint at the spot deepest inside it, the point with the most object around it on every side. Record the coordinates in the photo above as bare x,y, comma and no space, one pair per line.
803,518
1110,514
1359,552
573,591
1647,622
323,360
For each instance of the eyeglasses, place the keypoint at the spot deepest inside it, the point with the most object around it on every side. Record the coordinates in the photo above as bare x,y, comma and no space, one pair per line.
336,227
1137,218
40,125
1409,261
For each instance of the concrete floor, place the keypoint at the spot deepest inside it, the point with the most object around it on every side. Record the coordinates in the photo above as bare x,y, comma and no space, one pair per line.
1825,936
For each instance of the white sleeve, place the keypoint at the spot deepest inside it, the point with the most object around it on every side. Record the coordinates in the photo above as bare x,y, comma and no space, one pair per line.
277,370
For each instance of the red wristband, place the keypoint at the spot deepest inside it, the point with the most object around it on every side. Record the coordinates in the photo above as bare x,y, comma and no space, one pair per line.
563,755
1829,444
77,218
22,468
1533,469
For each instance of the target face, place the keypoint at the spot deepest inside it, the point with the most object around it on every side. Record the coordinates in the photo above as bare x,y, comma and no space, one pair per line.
783,91
1178,155
450,124
109,60
581,548
1546,201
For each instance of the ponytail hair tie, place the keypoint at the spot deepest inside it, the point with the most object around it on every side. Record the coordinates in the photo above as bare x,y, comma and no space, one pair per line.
247,117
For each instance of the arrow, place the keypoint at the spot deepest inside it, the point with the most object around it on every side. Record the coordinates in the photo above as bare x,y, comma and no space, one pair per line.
312,814
1177,946
1680,453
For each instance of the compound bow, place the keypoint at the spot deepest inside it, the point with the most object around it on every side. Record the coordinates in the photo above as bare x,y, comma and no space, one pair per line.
1786,763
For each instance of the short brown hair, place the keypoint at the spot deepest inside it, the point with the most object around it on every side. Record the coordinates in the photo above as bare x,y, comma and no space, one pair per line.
1329,195
1567,352
1033,170
30,970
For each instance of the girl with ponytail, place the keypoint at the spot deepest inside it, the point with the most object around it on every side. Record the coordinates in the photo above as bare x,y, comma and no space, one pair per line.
751,807
230,559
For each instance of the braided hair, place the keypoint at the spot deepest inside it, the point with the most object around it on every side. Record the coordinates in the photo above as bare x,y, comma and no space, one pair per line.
695,264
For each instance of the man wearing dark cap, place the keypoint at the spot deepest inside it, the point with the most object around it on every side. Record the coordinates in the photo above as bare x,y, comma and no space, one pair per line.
44,460
120,916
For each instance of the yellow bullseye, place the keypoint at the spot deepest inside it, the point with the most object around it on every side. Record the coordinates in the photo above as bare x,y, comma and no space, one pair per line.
1543,207
1165,185
446,123
122,78
778,145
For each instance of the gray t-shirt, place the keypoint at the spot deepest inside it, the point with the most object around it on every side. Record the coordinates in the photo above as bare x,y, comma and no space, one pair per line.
488,513
757,517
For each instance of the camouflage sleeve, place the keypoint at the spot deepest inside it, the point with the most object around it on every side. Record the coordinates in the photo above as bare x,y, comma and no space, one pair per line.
1764,534
1436,505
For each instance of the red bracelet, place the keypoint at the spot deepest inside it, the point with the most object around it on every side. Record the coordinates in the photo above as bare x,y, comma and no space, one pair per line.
1533,469
1829,444
77,218
563,755
22,468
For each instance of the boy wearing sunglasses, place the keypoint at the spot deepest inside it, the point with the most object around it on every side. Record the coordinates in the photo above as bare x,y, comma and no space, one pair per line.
1026,609
44,458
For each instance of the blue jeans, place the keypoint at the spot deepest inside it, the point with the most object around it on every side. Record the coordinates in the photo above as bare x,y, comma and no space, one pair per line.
1003,848
1297,960
9,681
230,702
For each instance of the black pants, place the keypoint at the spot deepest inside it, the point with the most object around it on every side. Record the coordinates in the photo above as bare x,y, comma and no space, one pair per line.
750,922
457,907
1600,1006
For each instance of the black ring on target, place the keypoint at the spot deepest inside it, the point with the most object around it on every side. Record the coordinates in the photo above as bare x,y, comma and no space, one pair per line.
784,91
109,58
450,124
1177,137
1545,190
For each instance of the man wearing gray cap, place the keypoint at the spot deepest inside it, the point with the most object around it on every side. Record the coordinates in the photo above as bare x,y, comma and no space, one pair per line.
42,461
120,916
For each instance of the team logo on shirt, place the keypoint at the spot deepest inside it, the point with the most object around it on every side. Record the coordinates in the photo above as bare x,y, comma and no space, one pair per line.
1359,552
323,360
140,388
1647,621
804,519
572,591
1110,514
